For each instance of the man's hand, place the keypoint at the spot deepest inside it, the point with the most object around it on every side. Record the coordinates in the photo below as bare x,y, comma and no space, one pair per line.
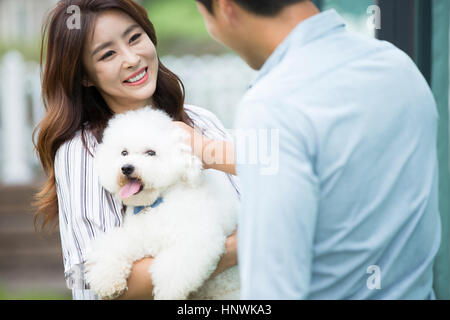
198,142
205,149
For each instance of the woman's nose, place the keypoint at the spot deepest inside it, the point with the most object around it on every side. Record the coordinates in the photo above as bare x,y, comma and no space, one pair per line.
131,59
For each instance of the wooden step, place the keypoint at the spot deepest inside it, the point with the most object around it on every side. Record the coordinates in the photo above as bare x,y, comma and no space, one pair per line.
18,195
18,239
13,218
27,259
36,262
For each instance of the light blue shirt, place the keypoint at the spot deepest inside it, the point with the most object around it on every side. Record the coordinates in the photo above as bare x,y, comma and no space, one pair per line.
351,212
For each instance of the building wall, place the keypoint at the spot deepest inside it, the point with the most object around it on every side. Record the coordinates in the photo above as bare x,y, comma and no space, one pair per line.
21,20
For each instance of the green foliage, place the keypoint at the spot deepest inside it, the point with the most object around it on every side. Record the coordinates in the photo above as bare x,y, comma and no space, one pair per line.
30,51
33,295
176,19
180,28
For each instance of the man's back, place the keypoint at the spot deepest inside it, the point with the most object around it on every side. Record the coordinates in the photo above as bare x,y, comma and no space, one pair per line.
357,179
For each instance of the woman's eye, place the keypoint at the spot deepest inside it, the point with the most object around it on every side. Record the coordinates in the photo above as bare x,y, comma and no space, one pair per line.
108,54
124,153
150,153
135,37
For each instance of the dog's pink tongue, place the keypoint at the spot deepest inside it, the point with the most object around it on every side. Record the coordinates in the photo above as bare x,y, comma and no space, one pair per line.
132,187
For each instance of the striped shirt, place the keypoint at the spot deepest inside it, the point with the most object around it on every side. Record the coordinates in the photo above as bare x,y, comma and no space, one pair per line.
86,209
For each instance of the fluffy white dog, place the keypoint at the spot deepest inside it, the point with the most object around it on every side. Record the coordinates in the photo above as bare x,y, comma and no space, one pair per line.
145,160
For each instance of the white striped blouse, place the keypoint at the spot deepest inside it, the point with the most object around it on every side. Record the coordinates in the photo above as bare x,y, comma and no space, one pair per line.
86,209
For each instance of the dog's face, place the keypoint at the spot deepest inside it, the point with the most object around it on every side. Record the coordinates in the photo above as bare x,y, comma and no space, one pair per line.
142,154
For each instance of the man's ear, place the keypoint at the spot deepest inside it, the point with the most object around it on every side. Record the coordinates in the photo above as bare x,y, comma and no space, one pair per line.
227,9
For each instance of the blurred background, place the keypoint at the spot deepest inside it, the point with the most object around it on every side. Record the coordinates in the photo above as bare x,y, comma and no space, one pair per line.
215,78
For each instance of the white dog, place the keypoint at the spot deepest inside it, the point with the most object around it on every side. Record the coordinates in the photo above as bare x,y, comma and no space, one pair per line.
145,160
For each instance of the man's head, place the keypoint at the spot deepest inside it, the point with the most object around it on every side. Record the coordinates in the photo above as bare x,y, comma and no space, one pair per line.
253,28
261,7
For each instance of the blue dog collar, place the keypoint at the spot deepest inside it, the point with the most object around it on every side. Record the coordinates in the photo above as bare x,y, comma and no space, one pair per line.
138,209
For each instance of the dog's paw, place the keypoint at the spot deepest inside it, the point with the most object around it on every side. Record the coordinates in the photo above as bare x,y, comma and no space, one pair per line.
105,280
168,293
106,272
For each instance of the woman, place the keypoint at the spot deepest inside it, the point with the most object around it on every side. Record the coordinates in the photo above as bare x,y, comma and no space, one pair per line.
107,65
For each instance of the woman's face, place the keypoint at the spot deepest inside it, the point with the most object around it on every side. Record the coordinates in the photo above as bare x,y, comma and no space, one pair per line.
121,62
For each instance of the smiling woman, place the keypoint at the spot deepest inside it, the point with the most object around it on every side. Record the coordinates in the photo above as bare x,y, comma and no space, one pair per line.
83,90
120,56
107,66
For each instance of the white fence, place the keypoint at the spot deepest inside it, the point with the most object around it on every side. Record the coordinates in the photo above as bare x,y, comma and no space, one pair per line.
213,82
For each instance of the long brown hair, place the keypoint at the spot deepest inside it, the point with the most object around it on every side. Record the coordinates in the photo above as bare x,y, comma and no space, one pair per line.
69,105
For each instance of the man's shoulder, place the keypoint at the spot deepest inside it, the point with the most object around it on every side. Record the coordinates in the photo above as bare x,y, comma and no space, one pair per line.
303,66
309,73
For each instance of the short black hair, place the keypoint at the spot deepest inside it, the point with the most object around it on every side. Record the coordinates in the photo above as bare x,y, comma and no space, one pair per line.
261,7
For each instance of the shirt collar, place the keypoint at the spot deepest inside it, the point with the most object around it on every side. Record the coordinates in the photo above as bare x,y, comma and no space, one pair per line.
305,32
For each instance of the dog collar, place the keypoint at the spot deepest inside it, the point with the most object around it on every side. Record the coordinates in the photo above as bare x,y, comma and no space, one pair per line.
138,209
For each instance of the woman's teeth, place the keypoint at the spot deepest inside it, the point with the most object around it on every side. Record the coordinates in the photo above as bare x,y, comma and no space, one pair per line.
138,77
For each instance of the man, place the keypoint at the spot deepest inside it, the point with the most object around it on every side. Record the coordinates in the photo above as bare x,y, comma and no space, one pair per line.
352,212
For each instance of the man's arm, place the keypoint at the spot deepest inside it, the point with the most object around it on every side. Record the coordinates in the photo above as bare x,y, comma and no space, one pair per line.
278,216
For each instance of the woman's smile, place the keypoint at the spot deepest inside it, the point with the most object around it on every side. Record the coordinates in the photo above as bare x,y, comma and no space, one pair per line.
121,62
138,78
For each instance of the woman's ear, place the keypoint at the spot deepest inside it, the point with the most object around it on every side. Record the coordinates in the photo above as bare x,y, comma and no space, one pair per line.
86,83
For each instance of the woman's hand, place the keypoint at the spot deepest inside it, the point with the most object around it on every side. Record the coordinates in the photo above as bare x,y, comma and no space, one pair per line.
139,282
214,154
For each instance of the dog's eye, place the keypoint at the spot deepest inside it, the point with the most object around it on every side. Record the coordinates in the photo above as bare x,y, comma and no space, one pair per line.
124,153
150,153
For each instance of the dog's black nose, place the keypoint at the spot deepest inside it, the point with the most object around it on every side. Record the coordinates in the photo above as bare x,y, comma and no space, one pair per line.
127,169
